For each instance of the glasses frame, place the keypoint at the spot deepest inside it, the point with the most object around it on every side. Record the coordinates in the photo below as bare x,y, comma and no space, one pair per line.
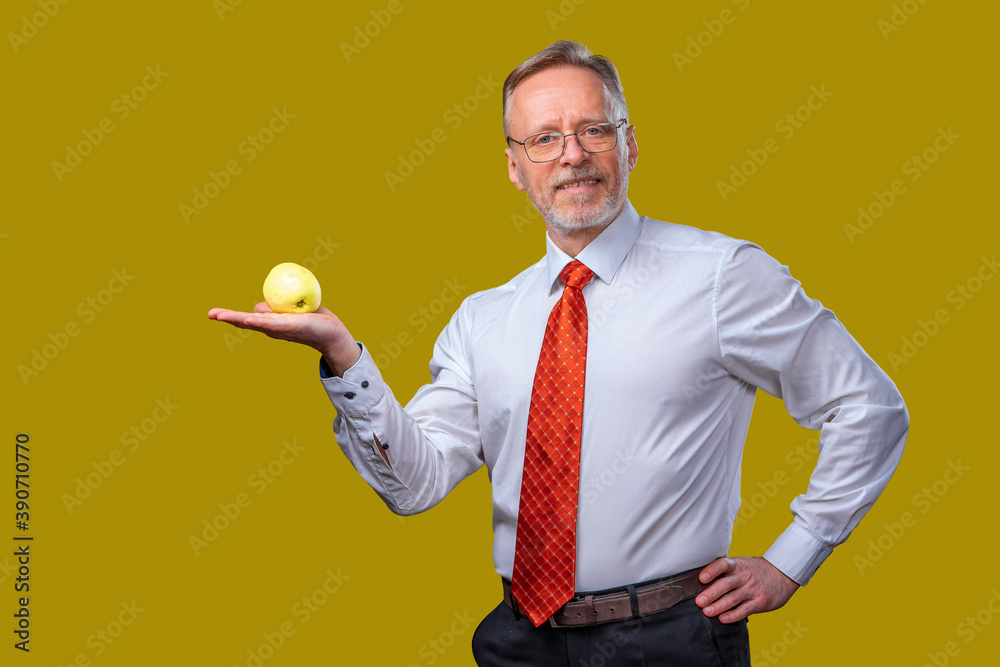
570,134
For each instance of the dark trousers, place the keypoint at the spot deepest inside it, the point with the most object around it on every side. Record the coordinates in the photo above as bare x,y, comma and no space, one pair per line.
681,635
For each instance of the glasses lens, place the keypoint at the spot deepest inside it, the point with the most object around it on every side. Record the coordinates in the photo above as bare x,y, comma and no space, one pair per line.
599,137
543,147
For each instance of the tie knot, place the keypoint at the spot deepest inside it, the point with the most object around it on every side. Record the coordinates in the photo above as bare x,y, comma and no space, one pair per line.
576,274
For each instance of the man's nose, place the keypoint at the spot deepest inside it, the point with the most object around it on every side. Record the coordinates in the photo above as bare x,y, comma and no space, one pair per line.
573,153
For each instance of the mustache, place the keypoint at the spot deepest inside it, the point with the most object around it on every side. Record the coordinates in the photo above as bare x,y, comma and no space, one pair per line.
578,174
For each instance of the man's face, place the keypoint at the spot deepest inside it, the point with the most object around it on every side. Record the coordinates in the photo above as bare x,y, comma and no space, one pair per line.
579,190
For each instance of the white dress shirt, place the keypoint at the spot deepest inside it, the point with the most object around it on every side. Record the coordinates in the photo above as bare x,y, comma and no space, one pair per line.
684,326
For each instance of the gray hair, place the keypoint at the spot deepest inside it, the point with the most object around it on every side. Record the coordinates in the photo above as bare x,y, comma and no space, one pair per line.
562,53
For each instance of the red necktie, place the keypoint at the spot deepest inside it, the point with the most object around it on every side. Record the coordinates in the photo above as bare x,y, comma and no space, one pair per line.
545,552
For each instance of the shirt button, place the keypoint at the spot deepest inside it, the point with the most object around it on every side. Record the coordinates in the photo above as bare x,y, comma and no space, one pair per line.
349,394
364,384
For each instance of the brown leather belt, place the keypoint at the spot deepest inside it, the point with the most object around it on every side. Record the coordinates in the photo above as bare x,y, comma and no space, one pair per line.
620,604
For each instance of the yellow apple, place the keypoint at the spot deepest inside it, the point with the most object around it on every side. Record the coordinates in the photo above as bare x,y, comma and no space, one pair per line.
290,288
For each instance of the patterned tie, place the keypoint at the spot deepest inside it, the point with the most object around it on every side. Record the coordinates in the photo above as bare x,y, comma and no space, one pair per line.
545,552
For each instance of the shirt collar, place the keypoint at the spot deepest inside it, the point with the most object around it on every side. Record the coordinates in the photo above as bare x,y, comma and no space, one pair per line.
603,255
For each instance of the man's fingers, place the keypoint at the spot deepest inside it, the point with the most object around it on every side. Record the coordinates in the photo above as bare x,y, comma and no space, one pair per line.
716,568
729,600
270,322
263,321
739,612
726,586
315,330
744,586
228,316
714,593
219,314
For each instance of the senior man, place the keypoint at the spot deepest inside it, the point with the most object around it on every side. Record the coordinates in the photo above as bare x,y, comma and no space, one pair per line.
608,390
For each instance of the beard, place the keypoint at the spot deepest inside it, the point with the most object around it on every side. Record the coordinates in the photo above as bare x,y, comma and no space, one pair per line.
588,211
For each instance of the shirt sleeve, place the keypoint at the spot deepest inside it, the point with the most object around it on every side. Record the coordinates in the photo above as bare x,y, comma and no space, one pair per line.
775,337
432,444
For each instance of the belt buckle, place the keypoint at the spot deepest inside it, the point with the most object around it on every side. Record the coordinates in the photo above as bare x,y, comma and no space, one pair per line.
590,614
552,622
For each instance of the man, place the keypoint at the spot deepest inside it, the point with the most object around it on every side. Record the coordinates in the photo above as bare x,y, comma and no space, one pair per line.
608,390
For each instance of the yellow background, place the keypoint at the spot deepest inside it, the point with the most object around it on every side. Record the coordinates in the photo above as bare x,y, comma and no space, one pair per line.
407,587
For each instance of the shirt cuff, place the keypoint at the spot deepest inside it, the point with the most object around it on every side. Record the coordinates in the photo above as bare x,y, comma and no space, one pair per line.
798,553
325,372
358,390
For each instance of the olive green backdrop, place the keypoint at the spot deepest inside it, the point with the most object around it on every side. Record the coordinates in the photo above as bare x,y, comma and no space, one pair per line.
188,502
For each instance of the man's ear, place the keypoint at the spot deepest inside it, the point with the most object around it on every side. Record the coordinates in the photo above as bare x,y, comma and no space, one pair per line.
633,148
515,177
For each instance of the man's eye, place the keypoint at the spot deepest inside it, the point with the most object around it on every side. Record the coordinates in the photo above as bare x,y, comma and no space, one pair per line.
596,131
544,139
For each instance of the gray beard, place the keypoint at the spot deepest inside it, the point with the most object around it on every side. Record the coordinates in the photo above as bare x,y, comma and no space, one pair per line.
566,221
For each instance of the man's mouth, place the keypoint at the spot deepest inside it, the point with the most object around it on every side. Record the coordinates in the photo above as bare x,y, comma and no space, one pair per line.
577,184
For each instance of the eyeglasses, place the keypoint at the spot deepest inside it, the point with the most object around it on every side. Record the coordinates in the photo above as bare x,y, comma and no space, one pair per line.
548,146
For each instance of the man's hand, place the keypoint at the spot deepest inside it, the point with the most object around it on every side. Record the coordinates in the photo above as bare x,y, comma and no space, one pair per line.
321,330
743,586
